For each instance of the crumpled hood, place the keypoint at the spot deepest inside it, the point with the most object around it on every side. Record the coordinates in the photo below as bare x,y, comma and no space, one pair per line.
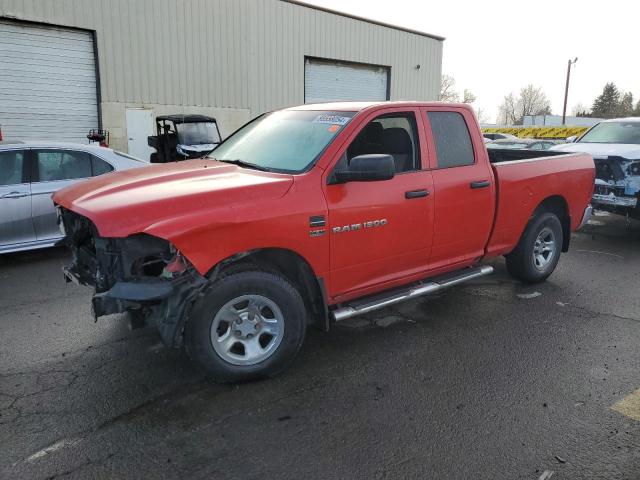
134,201
602,150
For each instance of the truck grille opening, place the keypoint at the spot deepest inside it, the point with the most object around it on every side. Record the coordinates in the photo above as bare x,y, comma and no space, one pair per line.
101,262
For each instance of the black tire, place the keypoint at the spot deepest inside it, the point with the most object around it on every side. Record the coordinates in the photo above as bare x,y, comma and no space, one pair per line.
276,289
521,262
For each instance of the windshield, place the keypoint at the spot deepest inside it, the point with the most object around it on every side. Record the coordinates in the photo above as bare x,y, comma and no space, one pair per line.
288,141
613,132
197,133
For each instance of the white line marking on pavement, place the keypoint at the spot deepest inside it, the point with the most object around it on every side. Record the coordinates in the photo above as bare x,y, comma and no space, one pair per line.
601,253
546,475
529,295
54,447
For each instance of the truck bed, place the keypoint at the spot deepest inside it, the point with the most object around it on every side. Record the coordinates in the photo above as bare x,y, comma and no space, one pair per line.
525,179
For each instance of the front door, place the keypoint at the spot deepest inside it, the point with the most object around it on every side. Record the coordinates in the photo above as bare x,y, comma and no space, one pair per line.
139,127
16,225
381,231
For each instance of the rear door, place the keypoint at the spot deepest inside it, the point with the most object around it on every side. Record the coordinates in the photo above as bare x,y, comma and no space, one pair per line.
464,187
15,199
381,231
54,170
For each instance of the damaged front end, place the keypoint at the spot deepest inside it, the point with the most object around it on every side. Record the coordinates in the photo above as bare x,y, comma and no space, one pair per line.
141,274
617,186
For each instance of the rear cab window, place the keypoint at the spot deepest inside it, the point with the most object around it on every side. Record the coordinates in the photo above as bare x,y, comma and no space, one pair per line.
452,139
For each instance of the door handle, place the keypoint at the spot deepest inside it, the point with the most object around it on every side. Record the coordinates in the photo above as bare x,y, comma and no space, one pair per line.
416,194
15,195
480,184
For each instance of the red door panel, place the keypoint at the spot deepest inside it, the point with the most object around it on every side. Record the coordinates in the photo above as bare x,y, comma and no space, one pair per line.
464,199
368,255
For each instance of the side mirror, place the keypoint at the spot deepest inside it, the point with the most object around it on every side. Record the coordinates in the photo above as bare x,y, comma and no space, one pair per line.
571,139
367,168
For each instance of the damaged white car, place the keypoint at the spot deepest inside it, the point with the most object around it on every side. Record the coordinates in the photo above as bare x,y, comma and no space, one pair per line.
615,147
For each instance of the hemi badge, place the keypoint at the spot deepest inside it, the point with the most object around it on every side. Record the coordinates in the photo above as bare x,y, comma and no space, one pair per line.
316,233
317,221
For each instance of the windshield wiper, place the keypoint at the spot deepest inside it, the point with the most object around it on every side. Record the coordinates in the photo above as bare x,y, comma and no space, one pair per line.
242,163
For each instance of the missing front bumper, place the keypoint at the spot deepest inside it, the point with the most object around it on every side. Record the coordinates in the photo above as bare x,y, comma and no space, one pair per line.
141,274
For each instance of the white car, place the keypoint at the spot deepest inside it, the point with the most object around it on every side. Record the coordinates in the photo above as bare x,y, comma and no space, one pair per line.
615,148
31,172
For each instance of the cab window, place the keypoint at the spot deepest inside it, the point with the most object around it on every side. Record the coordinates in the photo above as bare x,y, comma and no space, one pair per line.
452,139
394,134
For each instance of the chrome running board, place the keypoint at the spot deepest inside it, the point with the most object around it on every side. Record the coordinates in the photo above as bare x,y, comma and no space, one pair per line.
366,305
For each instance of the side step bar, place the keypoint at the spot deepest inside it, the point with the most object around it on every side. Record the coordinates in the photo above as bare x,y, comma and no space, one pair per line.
366,305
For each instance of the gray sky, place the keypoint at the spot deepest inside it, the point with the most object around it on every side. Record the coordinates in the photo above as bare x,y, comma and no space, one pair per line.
493,48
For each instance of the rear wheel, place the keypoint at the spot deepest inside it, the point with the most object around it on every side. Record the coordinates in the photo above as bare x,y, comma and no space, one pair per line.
538,251
247,325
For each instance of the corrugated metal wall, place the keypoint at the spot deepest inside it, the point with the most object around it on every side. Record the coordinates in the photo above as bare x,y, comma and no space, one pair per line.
242,54
47,82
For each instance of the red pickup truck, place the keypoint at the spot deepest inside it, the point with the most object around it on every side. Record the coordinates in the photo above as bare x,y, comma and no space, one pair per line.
314,214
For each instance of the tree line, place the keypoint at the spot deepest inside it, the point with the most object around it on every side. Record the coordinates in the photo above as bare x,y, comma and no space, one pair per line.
532,100
611,103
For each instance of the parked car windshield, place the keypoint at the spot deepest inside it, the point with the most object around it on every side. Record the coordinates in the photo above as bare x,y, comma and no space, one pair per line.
613,132
204,133
286,141
507,145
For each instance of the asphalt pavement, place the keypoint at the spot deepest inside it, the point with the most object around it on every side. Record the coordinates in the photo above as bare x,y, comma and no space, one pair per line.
490,380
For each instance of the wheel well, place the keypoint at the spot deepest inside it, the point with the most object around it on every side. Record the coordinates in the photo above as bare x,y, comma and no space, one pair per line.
558,206
291,266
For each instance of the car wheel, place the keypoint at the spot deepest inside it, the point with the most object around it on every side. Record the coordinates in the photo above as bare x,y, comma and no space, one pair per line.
538,251
246,326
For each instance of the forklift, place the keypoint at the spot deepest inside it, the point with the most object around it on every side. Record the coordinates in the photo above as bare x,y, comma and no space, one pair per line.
183,137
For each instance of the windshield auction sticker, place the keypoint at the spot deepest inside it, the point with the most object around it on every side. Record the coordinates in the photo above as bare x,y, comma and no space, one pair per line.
332,120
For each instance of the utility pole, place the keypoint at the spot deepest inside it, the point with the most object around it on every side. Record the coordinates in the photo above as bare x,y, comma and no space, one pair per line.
566,89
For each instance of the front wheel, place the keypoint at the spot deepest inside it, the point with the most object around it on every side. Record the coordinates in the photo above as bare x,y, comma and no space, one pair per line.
538,251
246,326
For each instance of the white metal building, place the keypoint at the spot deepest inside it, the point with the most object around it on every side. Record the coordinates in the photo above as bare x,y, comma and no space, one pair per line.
69,66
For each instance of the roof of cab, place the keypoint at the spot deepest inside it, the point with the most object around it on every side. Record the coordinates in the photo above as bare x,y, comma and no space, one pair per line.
359,106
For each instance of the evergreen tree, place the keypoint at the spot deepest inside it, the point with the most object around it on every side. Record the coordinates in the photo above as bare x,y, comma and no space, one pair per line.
607,105
626,105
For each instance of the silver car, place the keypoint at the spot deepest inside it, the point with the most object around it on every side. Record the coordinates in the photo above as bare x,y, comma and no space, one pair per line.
31,172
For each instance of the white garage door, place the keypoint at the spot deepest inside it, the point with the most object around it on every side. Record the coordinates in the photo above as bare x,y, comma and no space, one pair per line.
326,81
47,83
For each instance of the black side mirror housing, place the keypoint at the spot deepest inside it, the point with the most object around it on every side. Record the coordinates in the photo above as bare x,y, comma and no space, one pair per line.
367,168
